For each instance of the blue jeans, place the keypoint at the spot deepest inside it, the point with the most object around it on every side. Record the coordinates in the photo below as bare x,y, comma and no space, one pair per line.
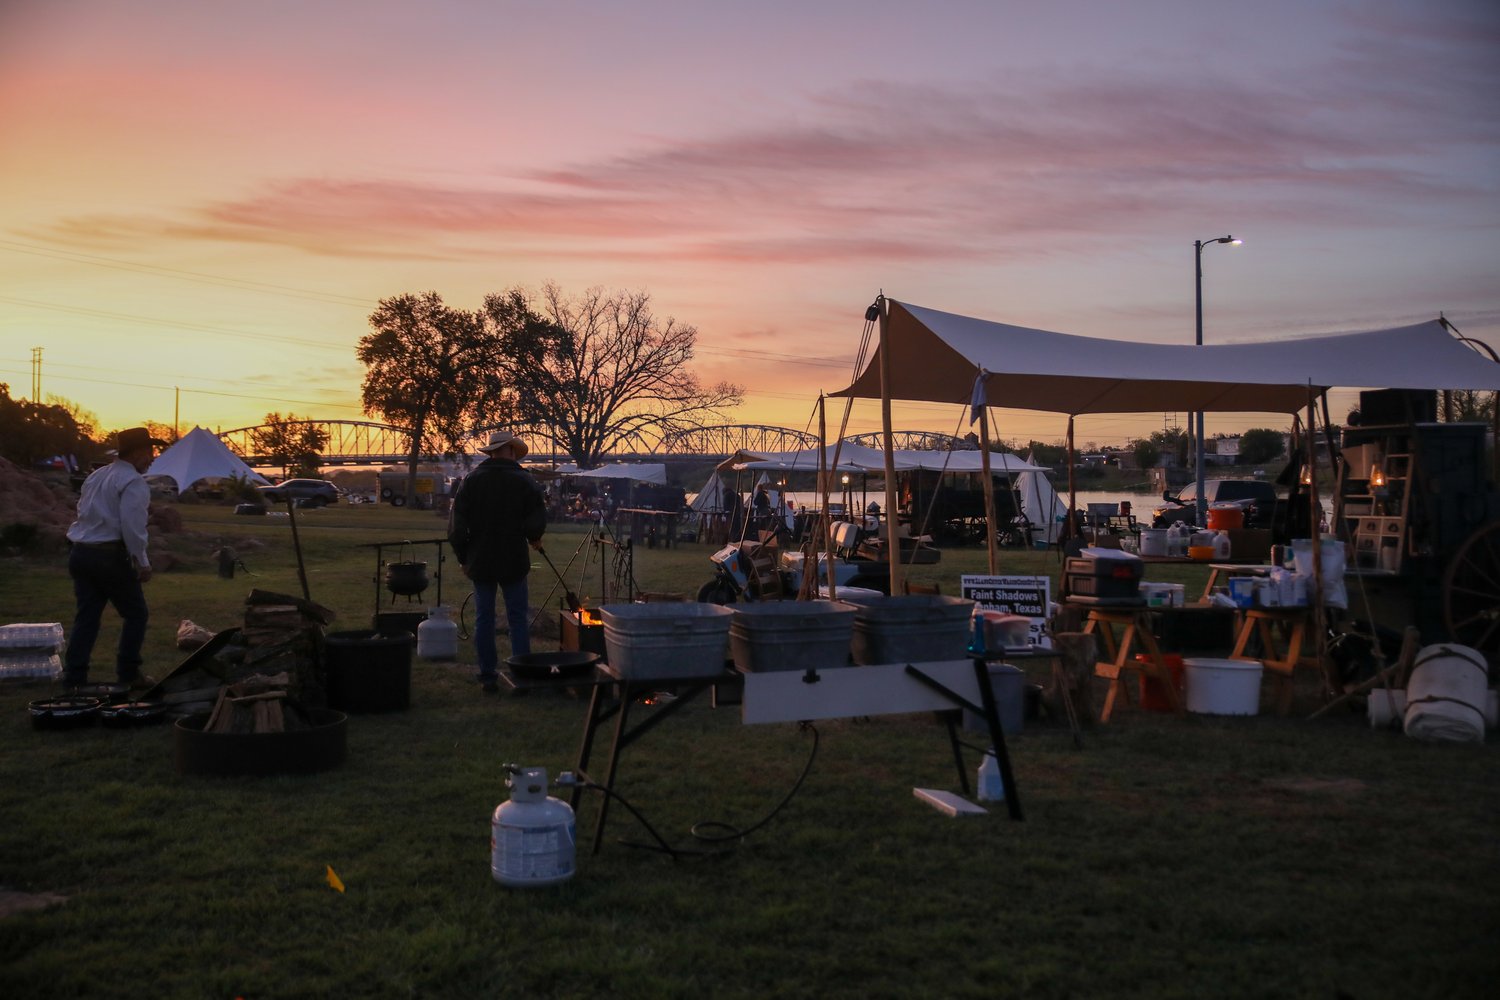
517,610
105,575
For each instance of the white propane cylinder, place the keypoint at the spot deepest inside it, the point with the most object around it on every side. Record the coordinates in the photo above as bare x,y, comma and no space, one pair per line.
437,636
531,836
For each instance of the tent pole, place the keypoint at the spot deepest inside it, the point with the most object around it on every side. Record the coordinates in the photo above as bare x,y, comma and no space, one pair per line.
892,512
989,489
1074,528
824,521
1315,516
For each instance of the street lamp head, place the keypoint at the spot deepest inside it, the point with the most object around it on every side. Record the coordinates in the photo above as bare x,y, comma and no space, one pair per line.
1231,241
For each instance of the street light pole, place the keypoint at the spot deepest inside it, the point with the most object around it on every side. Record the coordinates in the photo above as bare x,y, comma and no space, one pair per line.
1198,245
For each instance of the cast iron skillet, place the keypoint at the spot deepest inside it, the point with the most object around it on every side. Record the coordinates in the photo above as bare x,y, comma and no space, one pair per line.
562,663
132,713
64,713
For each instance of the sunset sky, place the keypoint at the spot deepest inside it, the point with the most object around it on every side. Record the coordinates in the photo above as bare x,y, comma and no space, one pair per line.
213,196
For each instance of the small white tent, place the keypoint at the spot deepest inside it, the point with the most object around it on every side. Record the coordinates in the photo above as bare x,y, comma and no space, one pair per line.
713,497
198,455
1041,505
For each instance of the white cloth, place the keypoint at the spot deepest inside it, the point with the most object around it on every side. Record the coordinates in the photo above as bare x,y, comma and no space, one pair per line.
113,507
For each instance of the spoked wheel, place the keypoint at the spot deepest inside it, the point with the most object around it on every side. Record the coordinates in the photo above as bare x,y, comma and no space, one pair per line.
1471,592
717,591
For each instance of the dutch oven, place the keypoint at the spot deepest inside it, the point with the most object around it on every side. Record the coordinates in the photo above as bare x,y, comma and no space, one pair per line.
406,579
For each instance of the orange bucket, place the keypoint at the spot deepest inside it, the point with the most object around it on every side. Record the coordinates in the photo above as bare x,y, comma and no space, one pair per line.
1225,517
1153,694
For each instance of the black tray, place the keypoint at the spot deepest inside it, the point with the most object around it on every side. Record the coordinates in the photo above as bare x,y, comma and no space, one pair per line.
561,663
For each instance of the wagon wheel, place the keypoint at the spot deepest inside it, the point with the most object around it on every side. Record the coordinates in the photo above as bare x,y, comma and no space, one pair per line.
1471,592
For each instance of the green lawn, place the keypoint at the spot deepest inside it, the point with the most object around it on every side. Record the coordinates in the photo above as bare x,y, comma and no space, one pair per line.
1170,856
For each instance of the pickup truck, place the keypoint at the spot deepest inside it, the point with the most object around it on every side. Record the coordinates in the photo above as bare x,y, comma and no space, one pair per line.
1258,498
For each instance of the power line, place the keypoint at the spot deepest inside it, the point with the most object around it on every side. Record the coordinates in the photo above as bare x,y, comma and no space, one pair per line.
178,324
244,284
201,392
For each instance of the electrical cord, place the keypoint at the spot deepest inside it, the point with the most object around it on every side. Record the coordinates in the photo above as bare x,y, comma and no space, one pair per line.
698,830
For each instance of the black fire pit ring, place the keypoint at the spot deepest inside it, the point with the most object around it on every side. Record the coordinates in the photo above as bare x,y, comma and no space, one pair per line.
562,663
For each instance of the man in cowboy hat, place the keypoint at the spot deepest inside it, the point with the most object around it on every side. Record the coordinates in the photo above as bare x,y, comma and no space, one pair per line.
108,561
498,511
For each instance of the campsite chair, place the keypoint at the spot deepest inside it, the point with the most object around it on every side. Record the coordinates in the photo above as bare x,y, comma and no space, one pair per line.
846,538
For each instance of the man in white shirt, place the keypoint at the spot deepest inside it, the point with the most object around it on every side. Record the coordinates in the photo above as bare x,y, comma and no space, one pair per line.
108,561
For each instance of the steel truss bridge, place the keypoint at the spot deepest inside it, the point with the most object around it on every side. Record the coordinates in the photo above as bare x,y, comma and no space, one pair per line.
359,442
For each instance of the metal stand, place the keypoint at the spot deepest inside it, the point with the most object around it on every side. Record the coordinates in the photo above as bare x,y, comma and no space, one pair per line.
625,693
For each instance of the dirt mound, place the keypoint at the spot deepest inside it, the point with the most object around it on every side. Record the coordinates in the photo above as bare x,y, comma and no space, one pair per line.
35,513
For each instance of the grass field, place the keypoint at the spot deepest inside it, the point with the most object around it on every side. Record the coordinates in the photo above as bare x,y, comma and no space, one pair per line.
1170,856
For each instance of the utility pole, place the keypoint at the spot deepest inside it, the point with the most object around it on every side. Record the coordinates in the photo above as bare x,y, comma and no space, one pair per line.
36,376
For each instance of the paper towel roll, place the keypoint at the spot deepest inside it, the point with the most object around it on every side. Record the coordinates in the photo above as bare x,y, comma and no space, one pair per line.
1387,708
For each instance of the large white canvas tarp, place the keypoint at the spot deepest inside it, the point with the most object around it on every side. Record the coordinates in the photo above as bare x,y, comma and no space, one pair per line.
935,356
855,458
645,472
198,455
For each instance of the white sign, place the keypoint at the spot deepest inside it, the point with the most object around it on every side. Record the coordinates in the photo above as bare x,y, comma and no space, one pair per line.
1029,596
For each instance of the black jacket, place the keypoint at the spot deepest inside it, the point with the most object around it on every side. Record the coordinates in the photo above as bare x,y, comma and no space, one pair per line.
499,508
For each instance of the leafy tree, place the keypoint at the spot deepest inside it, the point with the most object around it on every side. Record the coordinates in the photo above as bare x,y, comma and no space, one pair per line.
1261,444
598,370
427,367
292,442
33,432
1147,453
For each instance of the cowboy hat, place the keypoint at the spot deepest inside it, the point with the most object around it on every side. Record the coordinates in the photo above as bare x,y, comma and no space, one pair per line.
134,439
500,439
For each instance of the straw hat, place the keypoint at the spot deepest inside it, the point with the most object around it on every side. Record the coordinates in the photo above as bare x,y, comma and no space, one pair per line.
502,439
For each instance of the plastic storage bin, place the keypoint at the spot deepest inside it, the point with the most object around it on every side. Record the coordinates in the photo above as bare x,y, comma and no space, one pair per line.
667,641
791,635
1223,687
913,628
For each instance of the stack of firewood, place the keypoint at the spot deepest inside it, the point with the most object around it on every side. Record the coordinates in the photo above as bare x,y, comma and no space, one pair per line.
256,704
282,638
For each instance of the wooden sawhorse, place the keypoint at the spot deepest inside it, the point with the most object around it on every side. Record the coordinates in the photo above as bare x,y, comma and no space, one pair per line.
1136,625
1280,656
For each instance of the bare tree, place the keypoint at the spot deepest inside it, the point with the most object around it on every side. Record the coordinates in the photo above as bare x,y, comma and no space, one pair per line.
426,367
599,370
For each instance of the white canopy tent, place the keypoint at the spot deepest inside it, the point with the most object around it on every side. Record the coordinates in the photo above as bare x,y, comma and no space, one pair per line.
1041,505
198,455
928,355
858,458
935,356
645,472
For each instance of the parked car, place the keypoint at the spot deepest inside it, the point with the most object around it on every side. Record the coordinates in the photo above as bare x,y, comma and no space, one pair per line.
308,492
1256,497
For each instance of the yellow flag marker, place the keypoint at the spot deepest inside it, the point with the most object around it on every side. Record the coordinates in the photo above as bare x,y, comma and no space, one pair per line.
334,881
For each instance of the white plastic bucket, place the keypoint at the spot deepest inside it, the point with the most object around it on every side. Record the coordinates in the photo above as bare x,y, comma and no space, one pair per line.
1222,687
1156,595
1153,541
1446,694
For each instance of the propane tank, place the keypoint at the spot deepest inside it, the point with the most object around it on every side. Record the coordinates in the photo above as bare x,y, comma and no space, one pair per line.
437,636
531,836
